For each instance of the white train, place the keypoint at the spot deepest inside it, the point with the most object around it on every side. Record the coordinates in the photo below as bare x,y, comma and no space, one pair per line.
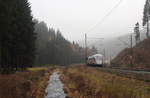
95,60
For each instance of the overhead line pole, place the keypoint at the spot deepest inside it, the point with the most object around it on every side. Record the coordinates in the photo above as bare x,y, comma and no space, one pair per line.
104,56
131,54
85,48
148,19
147,26
131,42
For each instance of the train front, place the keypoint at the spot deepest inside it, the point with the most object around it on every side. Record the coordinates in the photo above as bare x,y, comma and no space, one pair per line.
95,60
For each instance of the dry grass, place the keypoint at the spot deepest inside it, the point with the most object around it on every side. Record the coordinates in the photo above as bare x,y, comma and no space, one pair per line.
30,84
82,82
37,68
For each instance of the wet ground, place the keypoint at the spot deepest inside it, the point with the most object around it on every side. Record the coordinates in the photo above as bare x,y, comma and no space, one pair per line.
55,87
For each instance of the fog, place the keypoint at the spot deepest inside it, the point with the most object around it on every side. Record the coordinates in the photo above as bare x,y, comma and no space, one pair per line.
76,17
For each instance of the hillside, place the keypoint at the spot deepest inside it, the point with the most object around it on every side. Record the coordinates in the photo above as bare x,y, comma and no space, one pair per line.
140,58
113,46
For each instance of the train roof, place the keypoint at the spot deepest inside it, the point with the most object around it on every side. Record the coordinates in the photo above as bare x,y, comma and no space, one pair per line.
96,55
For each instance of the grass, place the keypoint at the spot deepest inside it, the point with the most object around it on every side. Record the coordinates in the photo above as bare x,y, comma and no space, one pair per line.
28,84
83,82
80,82
37,69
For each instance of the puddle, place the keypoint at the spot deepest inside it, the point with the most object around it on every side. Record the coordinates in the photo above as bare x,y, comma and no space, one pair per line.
55,87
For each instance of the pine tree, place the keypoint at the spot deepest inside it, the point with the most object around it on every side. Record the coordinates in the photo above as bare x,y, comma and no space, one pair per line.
146,15
146,12
17,34
26,37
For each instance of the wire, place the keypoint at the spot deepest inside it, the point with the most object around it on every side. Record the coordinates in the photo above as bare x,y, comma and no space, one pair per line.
94,38
109,13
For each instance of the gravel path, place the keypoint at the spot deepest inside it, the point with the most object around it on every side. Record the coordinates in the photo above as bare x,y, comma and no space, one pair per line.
55,87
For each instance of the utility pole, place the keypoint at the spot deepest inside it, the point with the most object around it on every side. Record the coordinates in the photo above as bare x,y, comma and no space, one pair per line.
131,52
110,57
131,41
85,48
104,58
147,33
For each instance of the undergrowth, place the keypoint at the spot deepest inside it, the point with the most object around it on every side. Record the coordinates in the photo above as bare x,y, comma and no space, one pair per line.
82,82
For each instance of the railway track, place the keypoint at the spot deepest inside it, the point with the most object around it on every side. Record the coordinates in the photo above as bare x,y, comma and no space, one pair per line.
135,74
131,70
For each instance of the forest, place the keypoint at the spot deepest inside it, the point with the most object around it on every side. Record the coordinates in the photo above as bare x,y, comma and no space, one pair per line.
53,48
17,36
27,42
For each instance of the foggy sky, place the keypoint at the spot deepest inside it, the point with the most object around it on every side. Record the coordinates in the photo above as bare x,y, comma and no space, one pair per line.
76,17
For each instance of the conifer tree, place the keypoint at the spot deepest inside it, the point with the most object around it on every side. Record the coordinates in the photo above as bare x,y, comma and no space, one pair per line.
146,12
17,37
146,16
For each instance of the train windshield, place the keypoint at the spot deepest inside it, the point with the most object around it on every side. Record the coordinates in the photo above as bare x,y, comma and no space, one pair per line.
97,58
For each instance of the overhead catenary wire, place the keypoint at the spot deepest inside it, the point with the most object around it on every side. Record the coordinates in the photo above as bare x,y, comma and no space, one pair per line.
108,14
101,21
94,38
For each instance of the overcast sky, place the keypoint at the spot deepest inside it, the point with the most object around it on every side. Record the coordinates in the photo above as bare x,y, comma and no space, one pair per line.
76,17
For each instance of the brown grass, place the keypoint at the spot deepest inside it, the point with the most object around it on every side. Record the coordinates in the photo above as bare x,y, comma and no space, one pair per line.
30,84
82,82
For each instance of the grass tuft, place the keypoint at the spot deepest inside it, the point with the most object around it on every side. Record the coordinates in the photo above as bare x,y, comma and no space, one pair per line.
83,82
